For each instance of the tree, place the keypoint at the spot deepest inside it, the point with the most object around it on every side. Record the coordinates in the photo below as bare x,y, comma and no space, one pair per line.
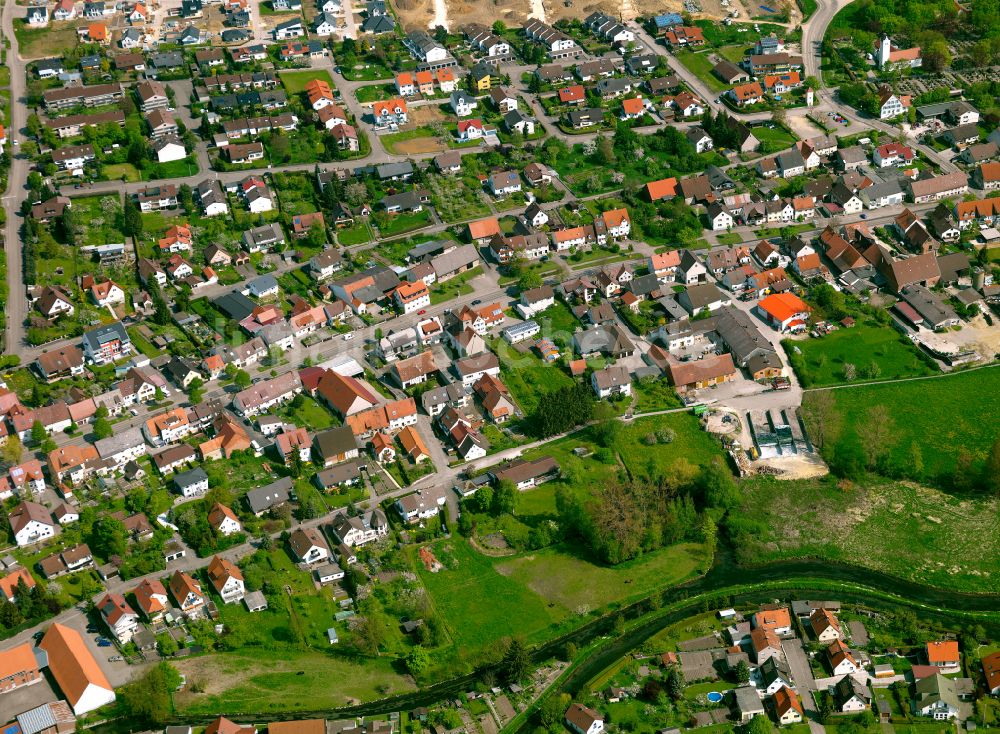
131,219
760,724
675,683
825,708
822,418
505,498
241,379
936,56
417,660
196,391
742,672
38,432
992,468
516,662
12,449
103,428
148,698
529,279
108,537
605,150
877,433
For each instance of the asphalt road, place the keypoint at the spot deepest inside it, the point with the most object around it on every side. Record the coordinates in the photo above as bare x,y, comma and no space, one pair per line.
16,184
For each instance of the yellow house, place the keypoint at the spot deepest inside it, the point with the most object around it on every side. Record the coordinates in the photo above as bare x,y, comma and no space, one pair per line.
481,79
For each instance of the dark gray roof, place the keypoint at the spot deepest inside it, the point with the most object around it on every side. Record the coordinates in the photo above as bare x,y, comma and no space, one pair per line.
189,477
264,498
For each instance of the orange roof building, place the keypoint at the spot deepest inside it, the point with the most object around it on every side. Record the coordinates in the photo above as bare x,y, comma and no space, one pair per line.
776,620
662,189
634,106
944,654
318,90
9,583
413,444
97,33
784,311
76,672
18,668
991,672
151,598
222,725
483,229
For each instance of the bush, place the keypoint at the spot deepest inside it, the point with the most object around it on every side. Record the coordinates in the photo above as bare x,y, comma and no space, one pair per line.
666,435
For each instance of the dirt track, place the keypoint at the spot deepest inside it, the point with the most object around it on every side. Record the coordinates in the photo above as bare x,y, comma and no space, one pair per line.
420,13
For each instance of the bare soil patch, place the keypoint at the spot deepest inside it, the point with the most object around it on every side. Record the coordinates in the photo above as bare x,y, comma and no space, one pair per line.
419,145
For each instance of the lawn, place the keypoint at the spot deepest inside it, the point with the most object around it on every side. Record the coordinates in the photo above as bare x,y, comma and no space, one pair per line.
295,81
393,224
773,138
529,378
899,528
941,416
356,234
306,412
366,72
690,448
392,140
455,200
700,65
454,287
284,680
558,319
654,394
479,604
115,171
100,217
821,361
375,92
730,238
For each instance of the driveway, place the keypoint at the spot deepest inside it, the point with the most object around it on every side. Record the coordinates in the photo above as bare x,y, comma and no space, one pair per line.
802,675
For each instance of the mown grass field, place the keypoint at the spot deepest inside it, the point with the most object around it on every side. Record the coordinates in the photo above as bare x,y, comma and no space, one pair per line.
701,66
938,415
821,361
899,528
295,81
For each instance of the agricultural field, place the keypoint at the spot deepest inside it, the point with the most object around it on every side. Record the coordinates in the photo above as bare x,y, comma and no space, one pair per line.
900,528
820,362
938,419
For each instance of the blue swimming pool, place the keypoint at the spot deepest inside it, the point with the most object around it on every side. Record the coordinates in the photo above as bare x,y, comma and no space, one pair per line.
714,696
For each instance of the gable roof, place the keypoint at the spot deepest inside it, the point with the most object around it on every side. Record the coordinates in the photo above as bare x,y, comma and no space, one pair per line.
71,664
